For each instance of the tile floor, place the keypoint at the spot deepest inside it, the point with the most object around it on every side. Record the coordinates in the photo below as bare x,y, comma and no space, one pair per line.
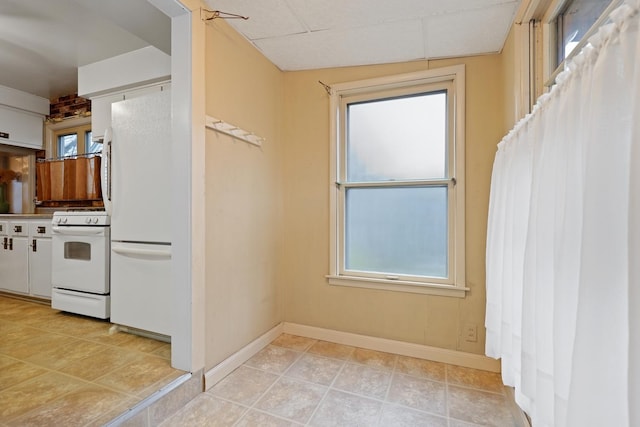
300,381
67,370
61,369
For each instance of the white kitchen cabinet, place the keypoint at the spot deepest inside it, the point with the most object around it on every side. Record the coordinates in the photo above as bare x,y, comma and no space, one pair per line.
101,106
20,128
14,259
25,257
101,114
40,259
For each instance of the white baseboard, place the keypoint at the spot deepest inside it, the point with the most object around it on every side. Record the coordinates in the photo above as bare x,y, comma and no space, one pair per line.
436,354
231,363
453,357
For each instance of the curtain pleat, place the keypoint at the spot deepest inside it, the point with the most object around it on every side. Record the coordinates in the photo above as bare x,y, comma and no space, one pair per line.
563,241
57,180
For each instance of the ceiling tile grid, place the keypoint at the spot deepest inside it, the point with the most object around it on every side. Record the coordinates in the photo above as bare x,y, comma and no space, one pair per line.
470,32
267,18
399,41
308,34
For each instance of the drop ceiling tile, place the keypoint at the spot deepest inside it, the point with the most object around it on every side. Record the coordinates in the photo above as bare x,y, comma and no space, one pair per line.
470,32
331,14
390,42
267,18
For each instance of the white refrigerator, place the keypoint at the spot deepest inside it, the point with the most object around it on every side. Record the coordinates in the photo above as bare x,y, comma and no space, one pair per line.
138,198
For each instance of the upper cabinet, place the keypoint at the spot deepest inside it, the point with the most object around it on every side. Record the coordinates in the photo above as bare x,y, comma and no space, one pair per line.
115,79
101,106
21,118
124,76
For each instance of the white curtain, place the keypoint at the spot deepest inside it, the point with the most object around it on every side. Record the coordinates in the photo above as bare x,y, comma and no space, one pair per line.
563,243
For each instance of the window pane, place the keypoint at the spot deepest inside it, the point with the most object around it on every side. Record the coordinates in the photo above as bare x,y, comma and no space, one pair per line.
399,230
92,147
398,138
67,145
575,21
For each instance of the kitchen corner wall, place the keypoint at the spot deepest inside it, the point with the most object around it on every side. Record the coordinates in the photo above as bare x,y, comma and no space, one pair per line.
267,209
309,300
244,209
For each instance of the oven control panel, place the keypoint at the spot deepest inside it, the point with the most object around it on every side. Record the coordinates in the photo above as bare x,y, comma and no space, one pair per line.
81,218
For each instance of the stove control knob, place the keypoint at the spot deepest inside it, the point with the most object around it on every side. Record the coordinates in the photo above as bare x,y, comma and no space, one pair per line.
88,220
95,220
64,220
58,220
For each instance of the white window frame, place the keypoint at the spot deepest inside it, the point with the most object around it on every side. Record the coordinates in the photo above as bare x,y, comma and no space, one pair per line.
453,78
77,125
535,49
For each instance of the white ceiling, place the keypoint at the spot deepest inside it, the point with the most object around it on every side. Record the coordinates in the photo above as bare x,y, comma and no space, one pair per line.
42,42
309,34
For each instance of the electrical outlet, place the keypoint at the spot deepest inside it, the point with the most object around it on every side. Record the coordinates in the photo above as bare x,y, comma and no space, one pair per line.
470,332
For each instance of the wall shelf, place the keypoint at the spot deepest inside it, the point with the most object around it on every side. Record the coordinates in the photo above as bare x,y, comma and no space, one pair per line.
234,131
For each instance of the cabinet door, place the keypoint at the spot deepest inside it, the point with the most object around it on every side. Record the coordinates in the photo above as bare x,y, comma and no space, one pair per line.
14,265
40,267
101,114
20,128
101,107
145,90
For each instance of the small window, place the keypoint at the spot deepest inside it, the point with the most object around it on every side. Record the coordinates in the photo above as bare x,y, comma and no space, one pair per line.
574,21
74,141
398,188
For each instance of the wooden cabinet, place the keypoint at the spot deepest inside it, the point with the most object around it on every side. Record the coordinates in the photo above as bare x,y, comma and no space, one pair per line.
25,257
21,128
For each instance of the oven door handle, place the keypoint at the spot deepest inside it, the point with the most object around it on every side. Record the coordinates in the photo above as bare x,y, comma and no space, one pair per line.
78,231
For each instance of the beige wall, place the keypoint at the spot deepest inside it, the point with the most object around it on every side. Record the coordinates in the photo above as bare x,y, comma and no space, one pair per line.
267,223
243,195
309,300
510,80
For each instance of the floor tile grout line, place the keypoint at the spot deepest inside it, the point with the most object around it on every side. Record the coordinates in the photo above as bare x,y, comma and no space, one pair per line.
52,371
326,393
62,396
386,394
446,394
94,341
83,338
263,394
378,368
483,390
126,395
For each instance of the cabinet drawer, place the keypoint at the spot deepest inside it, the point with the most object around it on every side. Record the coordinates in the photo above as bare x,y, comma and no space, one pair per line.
18,229
20,128
40,229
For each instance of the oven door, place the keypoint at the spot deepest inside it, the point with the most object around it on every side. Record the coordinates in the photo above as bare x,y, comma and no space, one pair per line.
80,258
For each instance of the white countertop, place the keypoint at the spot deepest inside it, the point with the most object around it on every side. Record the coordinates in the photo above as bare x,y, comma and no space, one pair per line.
25,216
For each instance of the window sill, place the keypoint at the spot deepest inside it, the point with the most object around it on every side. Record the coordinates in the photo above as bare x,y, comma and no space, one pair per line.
398,286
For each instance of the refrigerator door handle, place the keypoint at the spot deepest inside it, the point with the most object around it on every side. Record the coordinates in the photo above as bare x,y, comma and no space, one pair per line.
152,253
105,173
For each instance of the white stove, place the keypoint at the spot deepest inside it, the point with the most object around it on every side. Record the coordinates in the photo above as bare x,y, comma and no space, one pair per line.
81,247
